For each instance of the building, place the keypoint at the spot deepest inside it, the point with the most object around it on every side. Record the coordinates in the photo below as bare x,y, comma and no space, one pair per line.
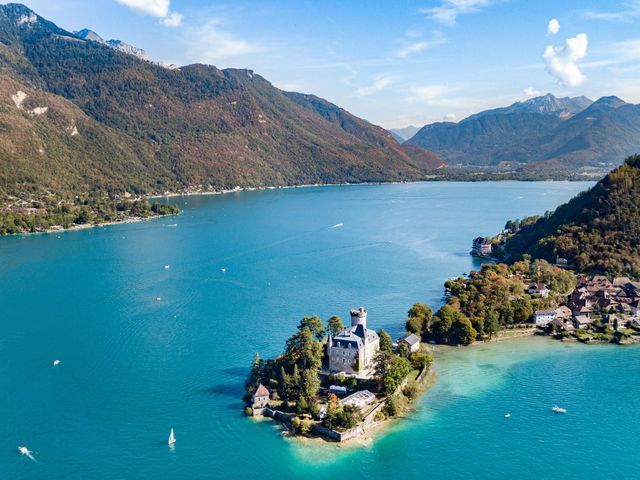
544,317
563,312
538,289
260,397
353,350
359,399
481,247
412,341
581,321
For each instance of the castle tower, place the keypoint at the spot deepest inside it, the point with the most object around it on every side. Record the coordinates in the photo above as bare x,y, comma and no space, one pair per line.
359,317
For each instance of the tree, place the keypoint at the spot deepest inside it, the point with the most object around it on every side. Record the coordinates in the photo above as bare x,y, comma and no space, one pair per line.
462,332
303,350
491,324
310,384
420,360
386,344
382,362
255,376
314,325
442,324
419,319
396,373
334,325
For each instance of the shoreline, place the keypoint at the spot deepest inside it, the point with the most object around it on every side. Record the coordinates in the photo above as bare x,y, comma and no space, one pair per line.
86,226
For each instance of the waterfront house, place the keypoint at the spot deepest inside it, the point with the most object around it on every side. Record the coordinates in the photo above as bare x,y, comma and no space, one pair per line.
412,341
260,397
352,351
481,247
581,321
544,317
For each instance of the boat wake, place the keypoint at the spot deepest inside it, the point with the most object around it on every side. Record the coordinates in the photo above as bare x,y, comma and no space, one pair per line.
337,225
27,453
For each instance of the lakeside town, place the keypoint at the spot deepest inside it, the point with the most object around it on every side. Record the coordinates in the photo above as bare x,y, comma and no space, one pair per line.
597,310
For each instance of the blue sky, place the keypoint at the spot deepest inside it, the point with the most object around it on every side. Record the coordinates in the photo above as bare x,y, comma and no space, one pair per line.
394,63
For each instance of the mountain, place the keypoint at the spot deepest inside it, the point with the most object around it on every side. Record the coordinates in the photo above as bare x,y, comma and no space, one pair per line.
87,34
79,116
597,232
404,134
542,133
545,105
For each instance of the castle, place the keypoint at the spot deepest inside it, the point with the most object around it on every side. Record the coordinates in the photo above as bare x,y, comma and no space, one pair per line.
353,350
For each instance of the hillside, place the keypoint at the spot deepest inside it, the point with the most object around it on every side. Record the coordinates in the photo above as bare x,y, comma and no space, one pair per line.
597,232
544,133
94,118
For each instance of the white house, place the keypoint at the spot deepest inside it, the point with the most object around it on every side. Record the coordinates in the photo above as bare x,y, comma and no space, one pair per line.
261,397
412,341
544,317
538,289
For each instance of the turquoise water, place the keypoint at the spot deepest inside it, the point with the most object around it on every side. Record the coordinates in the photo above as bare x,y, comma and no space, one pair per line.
132,366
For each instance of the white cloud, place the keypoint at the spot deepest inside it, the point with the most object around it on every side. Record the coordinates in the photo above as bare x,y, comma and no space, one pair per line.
211,44
379,84
632,10
562,63
553,27
531,92
155,8
173,20
418,47
430,93
448,10
450,117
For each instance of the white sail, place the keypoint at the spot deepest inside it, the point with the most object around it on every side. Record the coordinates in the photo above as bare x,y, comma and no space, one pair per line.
172,438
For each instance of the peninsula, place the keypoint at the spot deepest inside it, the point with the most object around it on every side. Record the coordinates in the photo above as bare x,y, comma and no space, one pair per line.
338,383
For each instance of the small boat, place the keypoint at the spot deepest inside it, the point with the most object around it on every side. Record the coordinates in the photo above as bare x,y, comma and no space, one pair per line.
173,225
558,409
223,270
167,267
24,450
172,438
56,362
158,299
507,415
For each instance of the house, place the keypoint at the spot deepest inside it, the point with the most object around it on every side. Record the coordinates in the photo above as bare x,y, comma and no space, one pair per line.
353,350
538,289
481,247
260,397
581,321
562,324
563,312
544,317
561,262
412,341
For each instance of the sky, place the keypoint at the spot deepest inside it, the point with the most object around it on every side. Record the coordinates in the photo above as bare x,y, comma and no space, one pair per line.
392,62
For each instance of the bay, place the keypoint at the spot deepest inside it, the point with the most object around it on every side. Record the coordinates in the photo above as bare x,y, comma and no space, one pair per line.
144,348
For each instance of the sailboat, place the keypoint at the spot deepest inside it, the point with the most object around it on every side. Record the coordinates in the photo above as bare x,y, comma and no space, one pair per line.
172,438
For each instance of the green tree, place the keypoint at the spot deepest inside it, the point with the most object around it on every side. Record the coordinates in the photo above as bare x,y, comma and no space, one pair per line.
386,344
396,373
462,332
310,384
419,319
314,325
334,325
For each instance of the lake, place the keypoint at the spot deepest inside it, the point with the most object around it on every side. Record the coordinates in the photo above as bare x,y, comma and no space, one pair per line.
144,348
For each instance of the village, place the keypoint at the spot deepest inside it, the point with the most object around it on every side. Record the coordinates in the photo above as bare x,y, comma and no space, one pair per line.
361,379
597,310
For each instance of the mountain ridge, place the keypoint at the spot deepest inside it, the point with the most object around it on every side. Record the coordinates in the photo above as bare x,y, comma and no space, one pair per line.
173,129
541,133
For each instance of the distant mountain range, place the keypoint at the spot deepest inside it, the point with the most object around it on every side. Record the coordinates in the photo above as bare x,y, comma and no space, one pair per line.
542,133
404,134
79,115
